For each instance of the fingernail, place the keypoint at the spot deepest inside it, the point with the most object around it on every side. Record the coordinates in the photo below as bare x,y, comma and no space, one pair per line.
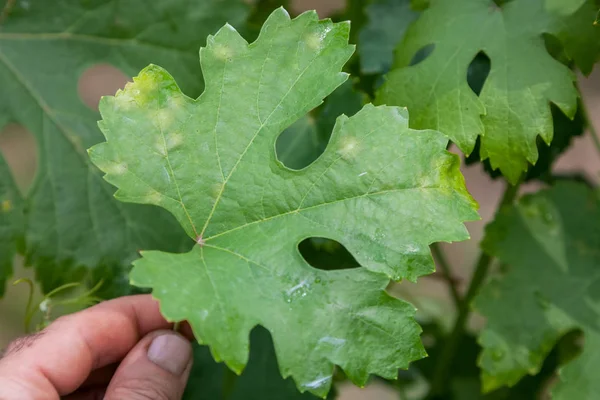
171,352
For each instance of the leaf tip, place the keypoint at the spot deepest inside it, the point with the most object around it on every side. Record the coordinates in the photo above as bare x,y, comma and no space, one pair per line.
282,11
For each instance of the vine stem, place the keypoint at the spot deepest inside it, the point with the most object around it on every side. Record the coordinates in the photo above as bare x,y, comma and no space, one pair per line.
593,132
446,270
590,125
443,369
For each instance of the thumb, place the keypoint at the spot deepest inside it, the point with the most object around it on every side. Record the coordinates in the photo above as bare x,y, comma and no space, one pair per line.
157,368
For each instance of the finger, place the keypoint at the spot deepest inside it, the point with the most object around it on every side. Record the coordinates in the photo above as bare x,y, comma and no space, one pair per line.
60,358
157,368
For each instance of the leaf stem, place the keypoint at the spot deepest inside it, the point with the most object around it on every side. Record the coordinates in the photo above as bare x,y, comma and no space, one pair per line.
28,312
443,370
446,270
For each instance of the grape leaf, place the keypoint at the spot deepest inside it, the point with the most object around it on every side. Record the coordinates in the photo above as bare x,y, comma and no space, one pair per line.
579,379
579,35
11,223
261,379
466,378
550,242
211,162
513,106
565,130
73,222
385,28
565,7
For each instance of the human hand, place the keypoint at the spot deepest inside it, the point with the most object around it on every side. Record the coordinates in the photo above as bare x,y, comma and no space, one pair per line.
118,349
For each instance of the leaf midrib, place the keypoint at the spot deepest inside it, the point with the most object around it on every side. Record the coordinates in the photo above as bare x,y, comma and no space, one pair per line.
299,210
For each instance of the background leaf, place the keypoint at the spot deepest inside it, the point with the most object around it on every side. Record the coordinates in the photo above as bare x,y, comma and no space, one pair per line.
11,223
513,106
578,379
73,223
578,34
261,379
565,7
565,131
549,242
386,26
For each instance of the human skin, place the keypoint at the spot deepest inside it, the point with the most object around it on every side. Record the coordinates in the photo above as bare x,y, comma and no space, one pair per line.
118,349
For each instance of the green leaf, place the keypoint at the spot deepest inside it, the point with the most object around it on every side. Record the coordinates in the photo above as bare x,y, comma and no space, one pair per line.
211,162
579,379
565,131
386,26
513,106
550,242
565,7
466,380
73,223
579,35
11,223
261,379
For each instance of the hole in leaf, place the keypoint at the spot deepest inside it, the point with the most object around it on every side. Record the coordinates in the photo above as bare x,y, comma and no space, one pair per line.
303,142
300,144
422,54
326,254
19,149
478,71
100,80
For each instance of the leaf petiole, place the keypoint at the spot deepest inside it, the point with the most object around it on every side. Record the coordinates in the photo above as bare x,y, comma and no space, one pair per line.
45,304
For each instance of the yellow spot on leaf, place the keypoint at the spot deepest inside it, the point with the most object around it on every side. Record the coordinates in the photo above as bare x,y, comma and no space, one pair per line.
141,89
223,53
215,189
117,168
314,41
173,140
348,147
153,197
165,118
159,146
6,206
